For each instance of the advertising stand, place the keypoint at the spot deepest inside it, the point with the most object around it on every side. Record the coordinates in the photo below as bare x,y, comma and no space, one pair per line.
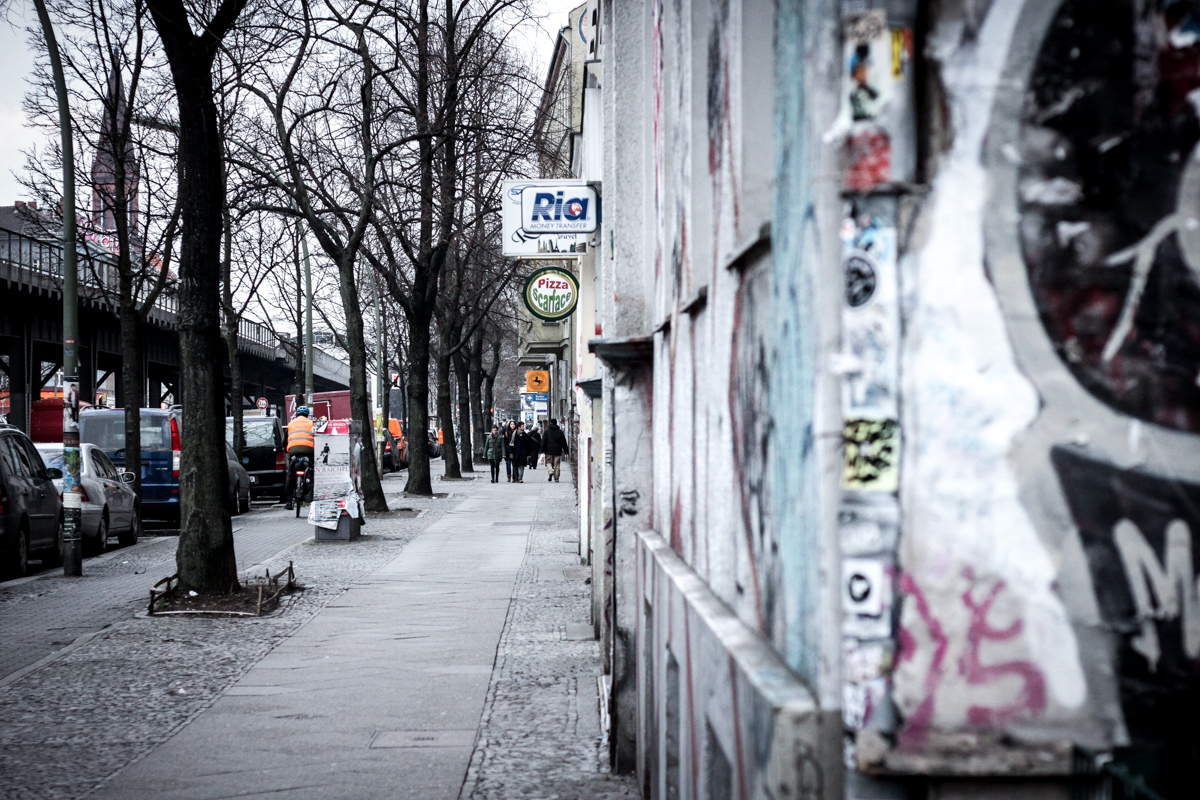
336,512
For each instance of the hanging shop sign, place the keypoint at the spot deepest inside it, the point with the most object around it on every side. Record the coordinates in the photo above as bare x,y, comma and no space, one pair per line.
559,208
551,294
548,219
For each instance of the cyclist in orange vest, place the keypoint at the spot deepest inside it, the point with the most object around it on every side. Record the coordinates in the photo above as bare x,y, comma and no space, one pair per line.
300,444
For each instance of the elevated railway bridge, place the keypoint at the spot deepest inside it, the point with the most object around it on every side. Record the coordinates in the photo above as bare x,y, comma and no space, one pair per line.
31,338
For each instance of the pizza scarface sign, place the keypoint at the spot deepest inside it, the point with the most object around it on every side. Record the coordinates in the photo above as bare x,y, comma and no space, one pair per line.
551,294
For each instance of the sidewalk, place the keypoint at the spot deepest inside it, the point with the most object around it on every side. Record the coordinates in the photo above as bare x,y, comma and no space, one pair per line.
379,695
462,655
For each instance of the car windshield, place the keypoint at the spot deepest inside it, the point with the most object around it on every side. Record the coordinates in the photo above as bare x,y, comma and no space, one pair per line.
53,456
107,431
255,433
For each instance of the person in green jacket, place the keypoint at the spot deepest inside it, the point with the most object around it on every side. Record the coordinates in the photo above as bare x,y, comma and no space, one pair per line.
493,451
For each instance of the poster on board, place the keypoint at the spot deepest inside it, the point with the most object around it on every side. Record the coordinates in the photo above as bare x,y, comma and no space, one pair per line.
337,485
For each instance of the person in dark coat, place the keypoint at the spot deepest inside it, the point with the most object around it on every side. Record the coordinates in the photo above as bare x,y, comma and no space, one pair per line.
520,452
493,451
509,430
554,445
535,446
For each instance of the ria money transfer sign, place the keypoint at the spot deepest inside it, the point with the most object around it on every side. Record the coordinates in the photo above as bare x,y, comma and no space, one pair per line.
548,219
559,208
551,294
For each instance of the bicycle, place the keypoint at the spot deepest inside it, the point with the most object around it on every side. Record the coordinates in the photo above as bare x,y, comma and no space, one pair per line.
302,489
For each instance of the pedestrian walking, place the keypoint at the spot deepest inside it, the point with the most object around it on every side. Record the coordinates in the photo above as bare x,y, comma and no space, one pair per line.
520,452
493,451
554,445
535,446
509,430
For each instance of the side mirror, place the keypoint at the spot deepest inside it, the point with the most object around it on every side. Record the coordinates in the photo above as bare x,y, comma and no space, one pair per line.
127,477
54,473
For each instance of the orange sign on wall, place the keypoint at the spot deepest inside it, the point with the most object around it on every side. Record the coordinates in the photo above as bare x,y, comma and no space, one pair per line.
537,381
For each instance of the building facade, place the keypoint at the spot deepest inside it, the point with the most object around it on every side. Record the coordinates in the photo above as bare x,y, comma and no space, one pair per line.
894,458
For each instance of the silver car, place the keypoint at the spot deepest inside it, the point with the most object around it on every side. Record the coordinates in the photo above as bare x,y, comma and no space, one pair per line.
110,505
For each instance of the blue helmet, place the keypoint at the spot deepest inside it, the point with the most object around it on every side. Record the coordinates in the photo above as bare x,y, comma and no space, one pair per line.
303,411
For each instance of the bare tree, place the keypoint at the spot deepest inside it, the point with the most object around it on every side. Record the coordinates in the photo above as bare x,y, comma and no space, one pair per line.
468,96
329,132
205,557
127,212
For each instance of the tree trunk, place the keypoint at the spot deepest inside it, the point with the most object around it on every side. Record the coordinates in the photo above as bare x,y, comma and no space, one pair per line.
360,409
231,343
205,557
489,381
418,408
131,382
464,411
475,396
446,416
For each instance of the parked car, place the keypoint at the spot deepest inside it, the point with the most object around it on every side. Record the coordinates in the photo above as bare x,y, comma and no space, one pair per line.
30,509
105,428
435,448
264,453
110,506
239,483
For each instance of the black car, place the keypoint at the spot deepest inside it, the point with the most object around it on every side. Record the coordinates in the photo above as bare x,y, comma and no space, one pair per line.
239,484
30,508
264,453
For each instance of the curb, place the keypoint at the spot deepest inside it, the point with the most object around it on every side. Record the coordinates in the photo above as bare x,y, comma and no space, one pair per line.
57,571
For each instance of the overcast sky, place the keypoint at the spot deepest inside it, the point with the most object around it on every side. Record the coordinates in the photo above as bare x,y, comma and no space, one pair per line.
18,62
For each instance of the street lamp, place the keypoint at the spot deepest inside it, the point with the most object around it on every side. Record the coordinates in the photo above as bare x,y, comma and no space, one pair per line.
72,498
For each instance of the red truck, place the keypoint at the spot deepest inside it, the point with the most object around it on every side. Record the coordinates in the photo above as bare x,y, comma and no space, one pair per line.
331,405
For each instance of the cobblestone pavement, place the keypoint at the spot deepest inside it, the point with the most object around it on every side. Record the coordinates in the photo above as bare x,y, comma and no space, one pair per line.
71,724
67,726
39,617
540,734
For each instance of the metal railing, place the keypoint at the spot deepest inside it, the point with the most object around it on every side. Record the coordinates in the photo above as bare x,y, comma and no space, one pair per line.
37,263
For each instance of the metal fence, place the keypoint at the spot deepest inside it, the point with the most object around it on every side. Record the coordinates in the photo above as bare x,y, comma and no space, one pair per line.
37,263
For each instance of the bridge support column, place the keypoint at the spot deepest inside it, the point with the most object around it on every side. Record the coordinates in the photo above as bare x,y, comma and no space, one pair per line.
87,364
18,378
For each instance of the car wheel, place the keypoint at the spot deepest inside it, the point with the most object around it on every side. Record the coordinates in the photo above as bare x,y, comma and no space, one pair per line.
100,542
244,503
20,563
128,537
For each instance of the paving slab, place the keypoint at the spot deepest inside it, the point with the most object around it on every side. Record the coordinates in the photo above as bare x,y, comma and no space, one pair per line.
379,694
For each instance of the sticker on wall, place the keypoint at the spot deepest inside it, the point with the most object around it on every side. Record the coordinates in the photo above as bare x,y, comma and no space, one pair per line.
865,527
870,316
872,455
875,64
867,598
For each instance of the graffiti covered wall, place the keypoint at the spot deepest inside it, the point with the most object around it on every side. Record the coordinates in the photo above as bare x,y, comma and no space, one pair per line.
1046,586
934,446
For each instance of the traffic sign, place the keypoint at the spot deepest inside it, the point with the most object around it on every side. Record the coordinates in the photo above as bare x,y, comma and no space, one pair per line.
537,380
262,403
